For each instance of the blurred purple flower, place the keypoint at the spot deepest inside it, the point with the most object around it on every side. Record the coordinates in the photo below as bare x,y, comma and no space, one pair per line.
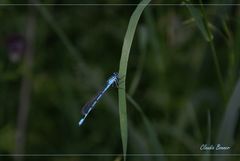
16,47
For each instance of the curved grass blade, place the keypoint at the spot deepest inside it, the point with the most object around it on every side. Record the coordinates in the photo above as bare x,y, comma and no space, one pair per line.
123,71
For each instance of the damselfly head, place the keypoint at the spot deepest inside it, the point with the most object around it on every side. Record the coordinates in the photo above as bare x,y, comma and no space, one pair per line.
116,74
113,79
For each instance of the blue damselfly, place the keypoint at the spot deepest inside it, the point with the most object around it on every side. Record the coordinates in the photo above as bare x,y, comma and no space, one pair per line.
113,80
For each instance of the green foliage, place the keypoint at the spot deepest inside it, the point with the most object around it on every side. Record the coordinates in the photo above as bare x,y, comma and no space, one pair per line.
6,139
181,80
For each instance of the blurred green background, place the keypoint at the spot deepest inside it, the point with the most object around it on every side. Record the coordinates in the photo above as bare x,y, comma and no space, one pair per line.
53,59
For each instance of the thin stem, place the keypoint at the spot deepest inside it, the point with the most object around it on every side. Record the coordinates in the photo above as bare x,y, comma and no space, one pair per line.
25,91
214,53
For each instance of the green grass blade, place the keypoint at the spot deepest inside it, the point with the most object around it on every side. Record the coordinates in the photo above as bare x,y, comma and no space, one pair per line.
199,19
230,119
202,23
123,71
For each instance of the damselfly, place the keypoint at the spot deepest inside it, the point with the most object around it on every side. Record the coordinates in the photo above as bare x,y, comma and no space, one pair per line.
113,80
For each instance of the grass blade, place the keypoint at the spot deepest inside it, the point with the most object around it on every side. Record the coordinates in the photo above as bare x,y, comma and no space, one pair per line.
123,71
230,119
202,23
199,19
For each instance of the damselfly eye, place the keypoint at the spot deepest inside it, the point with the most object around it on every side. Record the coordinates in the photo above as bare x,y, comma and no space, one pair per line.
116,74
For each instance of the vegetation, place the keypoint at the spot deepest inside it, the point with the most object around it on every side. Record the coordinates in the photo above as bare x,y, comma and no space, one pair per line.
179,88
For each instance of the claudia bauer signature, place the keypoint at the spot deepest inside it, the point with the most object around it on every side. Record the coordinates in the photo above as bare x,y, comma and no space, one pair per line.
207,147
